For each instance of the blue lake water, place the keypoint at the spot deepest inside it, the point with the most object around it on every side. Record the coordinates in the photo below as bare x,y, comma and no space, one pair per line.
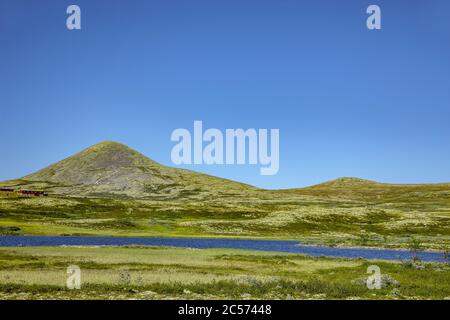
204,243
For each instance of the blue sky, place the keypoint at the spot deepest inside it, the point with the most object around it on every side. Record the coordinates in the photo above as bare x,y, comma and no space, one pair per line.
348,101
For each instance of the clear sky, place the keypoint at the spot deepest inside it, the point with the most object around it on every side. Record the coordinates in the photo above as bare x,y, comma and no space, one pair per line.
348,101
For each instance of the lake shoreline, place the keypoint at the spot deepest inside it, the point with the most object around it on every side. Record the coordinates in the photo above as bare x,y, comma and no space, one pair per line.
290,246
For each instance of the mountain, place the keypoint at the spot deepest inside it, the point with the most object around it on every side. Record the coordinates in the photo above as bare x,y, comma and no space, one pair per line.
113,169
360,189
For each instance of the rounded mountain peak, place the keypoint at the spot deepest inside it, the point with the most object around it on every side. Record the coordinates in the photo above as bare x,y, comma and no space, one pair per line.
87,166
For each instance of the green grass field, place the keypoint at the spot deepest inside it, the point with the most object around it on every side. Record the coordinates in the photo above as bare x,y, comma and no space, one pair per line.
354,220
111,189
173,273
344,212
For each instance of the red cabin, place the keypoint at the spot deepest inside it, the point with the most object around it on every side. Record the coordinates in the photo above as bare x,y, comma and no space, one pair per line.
30,193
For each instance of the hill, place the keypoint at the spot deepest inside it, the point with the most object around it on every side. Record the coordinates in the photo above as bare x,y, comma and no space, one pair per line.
111,169
360,189
111,189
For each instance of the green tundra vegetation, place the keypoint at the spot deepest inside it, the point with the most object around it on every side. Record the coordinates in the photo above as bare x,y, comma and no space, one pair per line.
112,190
174,273
363,214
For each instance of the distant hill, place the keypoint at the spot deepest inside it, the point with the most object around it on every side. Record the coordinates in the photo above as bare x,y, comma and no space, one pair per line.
360,189
112,169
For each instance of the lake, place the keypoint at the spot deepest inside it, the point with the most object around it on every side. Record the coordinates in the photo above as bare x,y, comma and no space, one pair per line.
205,243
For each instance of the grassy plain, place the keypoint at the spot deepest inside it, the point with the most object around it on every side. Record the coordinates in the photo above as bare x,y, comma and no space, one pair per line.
346,212
174,273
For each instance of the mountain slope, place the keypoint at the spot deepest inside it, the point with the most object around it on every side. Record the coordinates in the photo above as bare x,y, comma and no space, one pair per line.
113,169
360,189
